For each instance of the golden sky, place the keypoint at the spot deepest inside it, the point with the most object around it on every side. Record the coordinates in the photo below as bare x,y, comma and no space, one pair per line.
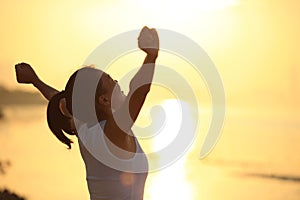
254,44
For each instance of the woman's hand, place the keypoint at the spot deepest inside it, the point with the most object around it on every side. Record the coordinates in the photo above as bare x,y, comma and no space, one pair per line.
148,41
25,73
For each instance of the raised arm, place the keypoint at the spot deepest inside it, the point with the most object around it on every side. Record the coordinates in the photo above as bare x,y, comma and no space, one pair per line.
25,74
140,84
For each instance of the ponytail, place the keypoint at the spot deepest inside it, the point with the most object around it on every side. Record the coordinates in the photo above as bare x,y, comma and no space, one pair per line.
58,122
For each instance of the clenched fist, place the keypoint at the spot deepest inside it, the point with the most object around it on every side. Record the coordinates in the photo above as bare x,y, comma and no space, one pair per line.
25,73
148,41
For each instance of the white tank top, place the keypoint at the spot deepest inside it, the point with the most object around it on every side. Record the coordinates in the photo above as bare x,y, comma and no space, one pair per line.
109,178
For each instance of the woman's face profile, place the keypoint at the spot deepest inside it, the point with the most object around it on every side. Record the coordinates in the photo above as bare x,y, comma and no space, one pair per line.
113,91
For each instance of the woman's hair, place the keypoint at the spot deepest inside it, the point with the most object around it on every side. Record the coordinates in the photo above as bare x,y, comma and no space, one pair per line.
81,91
58,122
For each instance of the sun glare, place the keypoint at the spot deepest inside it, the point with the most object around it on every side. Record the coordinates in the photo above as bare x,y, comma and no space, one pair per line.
170,183
196,5
183,15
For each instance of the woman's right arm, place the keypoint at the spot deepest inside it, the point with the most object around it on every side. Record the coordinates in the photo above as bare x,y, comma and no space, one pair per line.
25,74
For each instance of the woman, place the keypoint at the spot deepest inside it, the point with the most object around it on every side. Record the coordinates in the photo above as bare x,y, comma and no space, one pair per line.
100,115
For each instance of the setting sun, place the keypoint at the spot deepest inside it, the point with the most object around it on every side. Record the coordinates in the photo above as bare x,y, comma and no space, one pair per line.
254,46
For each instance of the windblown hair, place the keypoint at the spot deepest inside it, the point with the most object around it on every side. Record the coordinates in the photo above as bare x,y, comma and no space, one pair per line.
58,122
84,81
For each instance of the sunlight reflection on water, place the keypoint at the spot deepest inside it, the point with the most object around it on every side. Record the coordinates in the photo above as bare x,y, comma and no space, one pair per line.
41,165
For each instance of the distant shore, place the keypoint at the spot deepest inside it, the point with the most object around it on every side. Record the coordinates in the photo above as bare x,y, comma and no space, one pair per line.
12,97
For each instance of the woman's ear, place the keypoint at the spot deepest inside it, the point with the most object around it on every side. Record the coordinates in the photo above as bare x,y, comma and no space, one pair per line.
63,108
103,100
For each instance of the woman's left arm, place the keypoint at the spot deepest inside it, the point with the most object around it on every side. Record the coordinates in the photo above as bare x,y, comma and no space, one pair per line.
126,115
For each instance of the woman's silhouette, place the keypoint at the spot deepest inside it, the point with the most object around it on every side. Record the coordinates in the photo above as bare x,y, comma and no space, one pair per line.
92,111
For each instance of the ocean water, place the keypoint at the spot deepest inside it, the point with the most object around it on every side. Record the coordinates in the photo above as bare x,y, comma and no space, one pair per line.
257,157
